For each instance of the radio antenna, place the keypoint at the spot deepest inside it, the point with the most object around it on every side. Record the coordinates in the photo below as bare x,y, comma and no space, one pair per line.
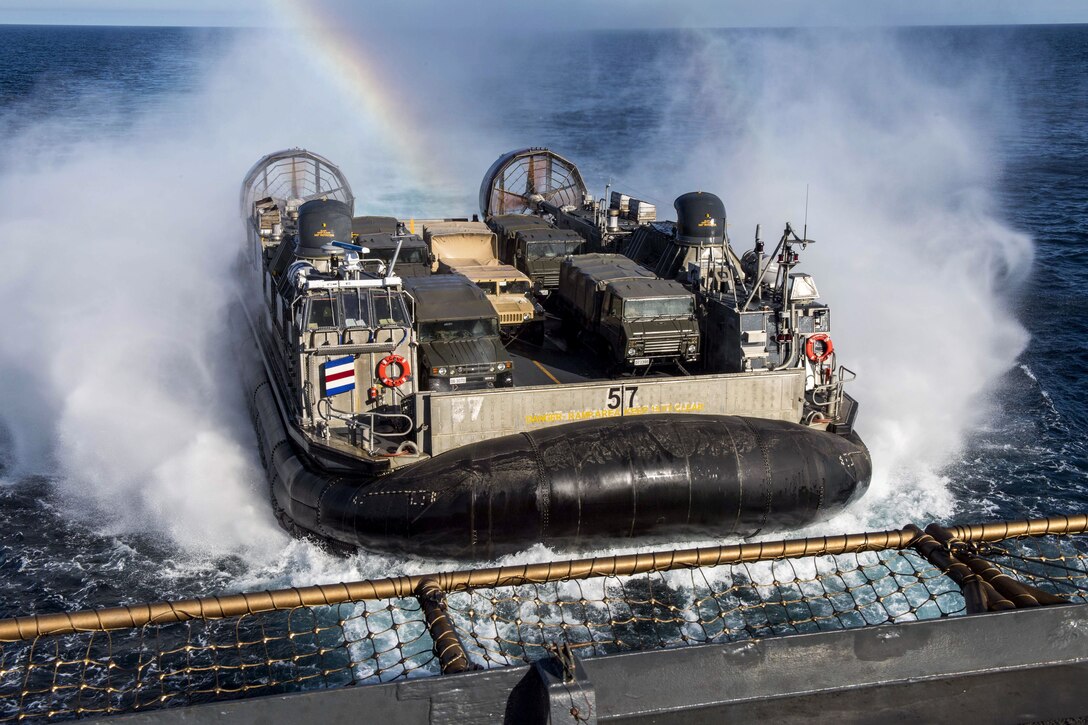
804,234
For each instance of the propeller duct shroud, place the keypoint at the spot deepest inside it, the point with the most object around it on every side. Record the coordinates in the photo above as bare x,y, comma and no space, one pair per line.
519,180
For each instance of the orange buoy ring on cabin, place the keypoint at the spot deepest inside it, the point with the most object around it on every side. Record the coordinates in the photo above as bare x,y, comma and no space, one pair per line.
383,371
810,348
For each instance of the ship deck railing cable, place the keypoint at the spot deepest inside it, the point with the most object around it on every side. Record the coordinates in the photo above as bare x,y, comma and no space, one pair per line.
137,657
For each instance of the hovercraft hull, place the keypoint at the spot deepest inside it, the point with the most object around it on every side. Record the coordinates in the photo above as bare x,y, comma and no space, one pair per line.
594,482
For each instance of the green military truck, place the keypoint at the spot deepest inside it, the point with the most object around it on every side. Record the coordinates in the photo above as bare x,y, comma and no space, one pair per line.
535,246
638,319
458,333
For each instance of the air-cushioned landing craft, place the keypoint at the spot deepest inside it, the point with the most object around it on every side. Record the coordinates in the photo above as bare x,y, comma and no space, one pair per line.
660,387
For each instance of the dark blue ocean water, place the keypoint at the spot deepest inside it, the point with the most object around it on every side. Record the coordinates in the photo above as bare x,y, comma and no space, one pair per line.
1032,458
1011,105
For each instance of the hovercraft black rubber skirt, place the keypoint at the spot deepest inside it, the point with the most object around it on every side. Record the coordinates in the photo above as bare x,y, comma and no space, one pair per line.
586,484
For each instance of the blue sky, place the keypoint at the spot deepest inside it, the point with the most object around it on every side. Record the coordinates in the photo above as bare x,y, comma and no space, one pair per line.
556,13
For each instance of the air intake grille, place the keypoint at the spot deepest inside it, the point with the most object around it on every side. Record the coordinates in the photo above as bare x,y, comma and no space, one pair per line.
662,347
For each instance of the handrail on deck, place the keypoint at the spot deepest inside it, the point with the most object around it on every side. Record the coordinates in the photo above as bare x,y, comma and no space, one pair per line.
232,605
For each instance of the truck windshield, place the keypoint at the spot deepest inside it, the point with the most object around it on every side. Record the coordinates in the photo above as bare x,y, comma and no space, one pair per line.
515,287
658,307
444,330
547,250
487,287
408,255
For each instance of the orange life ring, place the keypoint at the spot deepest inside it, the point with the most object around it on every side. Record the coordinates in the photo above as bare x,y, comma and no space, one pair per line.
383,371
810,348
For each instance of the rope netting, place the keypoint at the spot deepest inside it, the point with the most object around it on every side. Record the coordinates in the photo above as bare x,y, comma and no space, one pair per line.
367,632
1058,565
185,663
609,615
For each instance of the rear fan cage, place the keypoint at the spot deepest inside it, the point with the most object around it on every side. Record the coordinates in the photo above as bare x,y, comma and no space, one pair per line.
519,180
294,174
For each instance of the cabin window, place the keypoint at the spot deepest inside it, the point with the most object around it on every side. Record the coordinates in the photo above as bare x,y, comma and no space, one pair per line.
545,249
485,328
515,287
415,255
446,330
487,287
320,312
356,309
659,307
614,306
408,255
549,250
389,309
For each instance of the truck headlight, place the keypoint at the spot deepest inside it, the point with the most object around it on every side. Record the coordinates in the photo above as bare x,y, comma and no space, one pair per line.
443,371
500,367
631,351
692,347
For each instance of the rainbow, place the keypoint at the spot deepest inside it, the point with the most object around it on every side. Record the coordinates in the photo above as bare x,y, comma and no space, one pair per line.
346,62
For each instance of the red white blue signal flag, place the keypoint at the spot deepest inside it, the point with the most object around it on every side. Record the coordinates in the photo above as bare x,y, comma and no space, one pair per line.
339,375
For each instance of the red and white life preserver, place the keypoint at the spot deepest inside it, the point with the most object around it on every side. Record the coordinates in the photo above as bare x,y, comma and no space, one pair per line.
825,353
383,371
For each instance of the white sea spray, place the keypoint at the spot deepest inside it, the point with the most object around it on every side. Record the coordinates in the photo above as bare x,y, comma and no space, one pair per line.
888,146
119,369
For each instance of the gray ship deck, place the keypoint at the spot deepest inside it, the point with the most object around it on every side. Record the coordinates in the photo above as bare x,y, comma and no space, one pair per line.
1018,666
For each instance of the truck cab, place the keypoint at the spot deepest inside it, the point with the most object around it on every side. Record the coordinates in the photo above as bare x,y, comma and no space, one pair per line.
539,252
414,259
649,321
638,319
381,235
536,247
458,333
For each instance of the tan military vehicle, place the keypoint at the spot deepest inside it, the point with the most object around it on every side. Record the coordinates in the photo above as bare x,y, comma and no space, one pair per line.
469,249
460,244
509,291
